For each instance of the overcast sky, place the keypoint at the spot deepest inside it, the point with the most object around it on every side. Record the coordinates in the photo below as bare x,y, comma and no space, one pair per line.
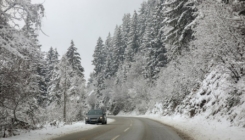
82,21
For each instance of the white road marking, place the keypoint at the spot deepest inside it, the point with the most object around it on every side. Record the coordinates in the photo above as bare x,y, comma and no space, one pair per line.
126,130
115,137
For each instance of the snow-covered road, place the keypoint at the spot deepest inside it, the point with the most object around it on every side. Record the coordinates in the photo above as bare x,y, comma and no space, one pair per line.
197,128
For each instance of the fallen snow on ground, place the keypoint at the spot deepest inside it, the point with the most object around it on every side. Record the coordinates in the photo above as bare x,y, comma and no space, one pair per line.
49,132
198,127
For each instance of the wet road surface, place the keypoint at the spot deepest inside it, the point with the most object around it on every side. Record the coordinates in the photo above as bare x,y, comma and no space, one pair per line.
126,128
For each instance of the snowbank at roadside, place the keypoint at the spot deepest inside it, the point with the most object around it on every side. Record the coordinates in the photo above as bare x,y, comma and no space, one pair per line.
198,127
49,132
214,110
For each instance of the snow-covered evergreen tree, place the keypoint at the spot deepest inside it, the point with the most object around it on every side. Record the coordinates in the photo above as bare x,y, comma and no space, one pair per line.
151,45
75,59
179,22
109,57
99,59
51,61
41,70
133,42
126,27
51,67
99,64
66,90
118,50
145,18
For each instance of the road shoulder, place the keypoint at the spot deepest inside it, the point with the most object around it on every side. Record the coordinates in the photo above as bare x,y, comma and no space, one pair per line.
182,134
49,132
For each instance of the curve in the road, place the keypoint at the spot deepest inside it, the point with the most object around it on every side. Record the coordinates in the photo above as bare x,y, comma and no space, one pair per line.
126,128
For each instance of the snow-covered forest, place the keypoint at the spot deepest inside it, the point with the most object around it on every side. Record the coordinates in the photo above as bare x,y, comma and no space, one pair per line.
35,87
174,57
186,55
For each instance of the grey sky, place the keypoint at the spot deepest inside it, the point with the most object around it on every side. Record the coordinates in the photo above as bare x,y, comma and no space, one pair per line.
83,21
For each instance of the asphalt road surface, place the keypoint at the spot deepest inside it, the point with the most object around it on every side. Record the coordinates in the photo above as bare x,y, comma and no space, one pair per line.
126,128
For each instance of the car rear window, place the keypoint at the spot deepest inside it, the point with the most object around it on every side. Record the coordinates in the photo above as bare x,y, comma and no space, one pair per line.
94,112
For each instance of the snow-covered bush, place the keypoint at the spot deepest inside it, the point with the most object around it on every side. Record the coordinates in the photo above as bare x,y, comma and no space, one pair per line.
91,100
142,107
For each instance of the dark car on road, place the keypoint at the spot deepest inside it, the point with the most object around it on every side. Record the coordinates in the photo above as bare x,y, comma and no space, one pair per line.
95,117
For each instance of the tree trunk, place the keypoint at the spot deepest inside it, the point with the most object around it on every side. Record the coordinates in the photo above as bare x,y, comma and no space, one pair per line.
64,106
65,98
14,112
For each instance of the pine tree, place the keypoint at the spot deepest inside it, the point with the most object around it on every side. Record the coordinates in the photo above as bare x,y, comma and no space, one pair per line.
41,70
30,32
65,69
179,16
145,16
51,61
90,80
152,47
108,45
109,59
99,64
75,59
56,56
133,42
142,17
126,27
99,57
52,58
118,50
66,89
49,57
50,71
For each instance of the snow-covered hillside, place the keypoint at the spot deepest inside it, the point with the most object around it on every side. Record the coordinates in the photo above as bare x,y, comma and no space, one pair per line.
215,111
219,97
